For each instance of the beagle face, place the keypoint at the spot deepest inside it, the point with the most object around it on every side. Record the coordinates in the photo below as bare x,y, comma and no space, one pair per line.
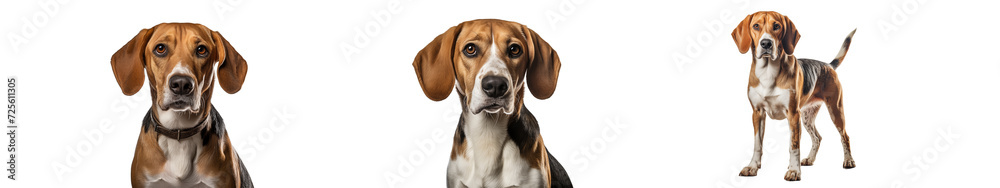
767,34
490,60
180,61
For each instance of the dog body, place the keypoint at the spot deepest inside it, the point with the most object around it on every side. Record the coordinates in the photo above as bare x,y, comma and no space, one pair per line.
497,142
784,87
183,141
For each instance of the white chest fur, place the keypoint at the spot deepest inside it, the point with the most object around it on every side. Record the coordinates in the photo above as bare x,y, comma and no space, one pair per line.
491,159
180,170
765,95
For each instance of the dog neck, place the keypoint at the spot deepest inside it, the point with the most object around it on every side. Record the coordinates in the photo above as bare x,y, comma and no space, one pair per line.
211,124
179,120
486,130
767,70
485,135
177,133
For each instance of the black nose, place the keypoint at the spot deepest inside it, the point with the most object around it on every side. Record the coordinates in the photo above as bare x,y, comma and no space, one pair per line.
494,86
181,85
766,43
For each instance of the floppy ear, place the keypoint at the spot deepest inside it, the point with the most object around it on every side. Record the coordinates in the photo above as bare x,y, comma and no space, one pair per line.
128,62
741,35
434,65
543,68
232,67
790,38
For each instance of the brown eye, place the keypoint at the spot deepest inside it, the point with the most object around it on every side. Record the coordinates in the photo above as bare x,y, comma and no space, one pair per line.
202,51
776,27
470,50
160,50
514,51
756,27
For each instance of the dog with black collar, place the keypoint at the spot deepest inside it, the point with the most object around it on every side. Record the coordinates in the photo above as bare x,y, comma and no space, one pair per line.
183,140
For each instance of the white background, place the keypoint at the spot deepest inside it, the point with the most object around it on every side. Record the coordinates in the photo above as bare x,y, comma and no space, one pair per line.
920,85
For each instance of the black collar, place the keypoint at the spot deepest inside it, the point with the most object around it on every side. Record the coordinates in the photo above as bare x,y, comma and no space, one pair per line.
216,126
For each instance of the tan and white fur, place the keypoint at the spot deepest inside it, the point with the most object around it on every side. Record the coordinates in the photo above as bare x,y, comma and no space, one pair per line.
489,63
182,62
785,87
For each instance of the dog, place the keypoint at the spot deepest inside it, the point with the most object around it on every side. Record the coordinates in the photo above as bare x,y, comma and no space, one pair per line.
183,140
497,142
785,87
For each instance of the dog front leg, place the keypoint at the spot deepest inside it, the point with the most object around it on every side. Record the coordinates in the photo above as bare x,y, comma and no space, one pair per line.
794,172
758,141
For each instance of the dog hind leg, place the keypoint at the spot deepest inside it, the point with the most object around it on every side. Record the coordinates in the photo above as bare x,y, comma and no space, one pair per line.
809,121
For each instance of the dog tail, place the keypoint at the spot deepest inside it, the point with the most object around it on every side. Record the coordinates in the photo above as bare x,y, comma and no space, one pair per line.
843,50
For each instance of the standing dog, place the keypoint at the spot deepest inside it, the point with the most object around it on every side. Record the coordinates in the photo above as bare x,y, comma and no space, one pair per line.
183,141
782,86
497,143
